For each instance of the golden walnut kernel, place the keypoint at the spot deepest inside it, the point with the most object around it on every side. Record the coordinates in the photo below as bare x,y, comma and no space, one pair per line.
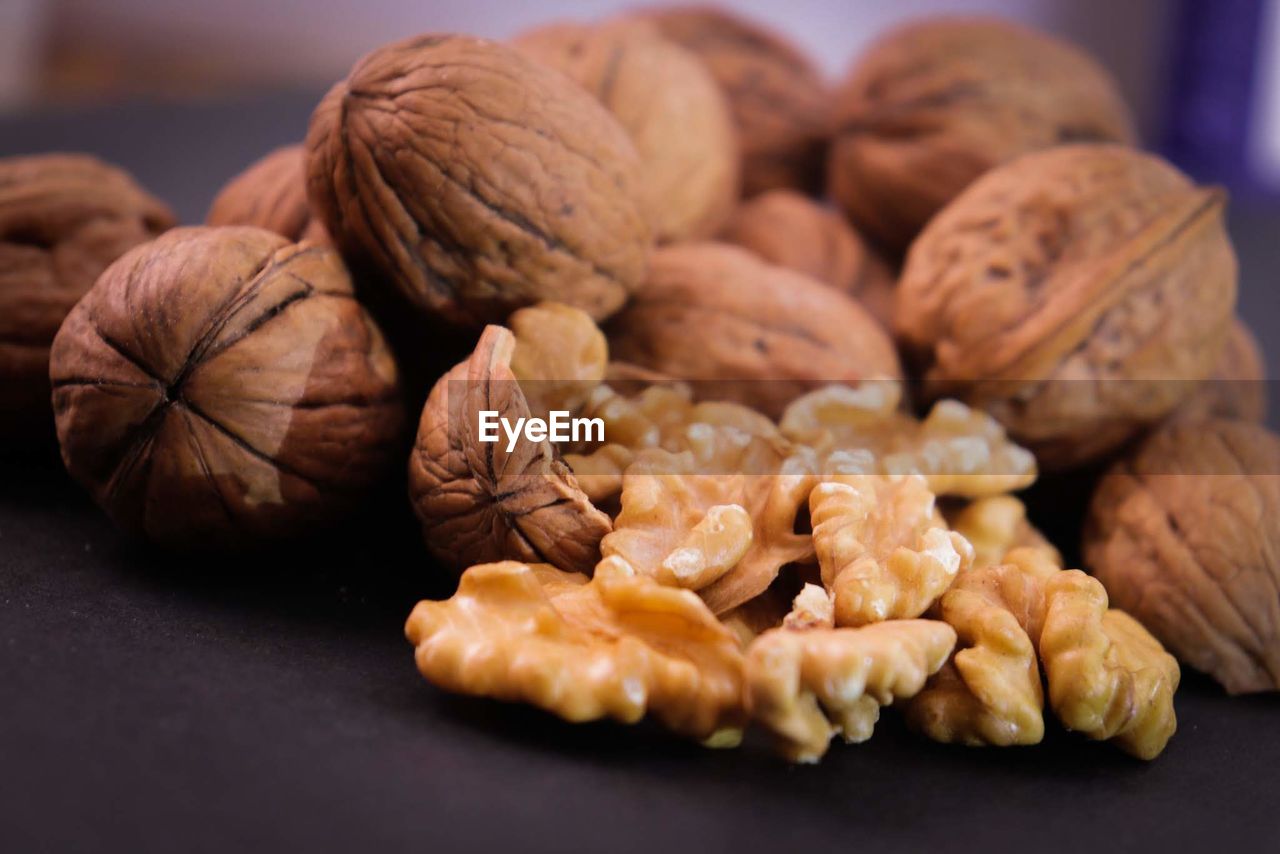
996,525
1237,388
760,334
478,181
478,502
669,103
63,219
618,646
1078,294
806,686
272,194
559,358
1184,534
933,105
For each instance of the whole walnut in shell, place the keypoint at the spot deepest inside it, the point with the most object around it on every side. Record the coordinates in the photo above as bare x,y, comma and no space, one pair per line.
222,385
478,181
670,105
934,104
63,219
1079,294
1184,535
271,194
777,95
761,334
1237,388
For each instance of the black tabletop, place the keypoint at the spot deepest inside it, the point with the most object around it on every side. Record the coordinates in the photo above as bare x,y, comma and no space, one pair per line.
160,703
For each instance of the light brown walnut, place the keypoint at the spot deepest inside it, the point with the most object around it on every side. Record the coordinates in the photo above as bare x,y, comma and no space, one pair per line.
994,526
560,356
272,194
1237,387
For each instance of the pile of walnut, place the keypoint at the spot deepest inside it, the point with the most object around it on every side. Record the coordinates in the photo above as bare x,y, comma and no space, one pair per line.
627,221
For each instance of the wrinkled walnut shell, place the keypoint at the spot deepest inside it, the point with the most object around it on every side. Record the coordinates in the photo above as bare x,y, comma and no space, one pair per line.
478,181
1237,388
272,194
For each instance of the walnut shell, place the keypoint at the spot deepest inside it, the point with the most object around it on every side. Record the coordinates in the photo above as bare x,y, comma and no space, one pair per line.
271,194
1184,535
762,334
222,385
1237,388
792,230
777,95
1079,294
933,105
670,105
63,219
479,181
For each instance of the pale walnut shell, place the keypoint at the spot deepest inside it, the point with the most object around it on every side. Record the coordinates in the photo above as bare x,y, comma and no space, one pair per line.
761,334
63,219
221,386
1237,388
777,95
933,105
792,230
670,105
1077,294
478,181
1184,534
270,193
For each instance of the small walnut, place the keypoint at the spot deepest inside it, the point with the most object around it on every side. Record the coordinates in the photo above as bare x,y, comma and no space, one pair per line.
560,356
272,194
479,181
1237,388
617,646
1078,294
996,525
760,334
932,105
671,106
1184,535
807,686
222,385
478,502
792,230
63,219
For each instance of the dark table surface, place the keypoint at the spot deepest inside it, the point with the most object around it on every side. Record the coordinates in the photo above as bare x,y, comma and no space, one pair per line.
159,703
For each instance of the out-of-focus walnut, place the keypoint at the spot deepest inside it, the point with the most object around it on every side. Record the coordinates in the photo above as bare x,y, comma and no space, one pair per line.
63,219
220,385
812,608
479,181
1108,677
762,334
777,96
1237,388
960,451
996,525
792,230
807,686
1078,294
884,551
1184,534
479,502
272,194
559,358
932,105
618,646
670,105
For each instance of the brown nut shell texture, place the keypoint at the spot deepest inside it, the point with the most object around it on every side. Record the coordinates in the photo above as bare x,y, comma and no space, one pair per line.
1184,535
272,194
63,219
1077,294
222,384
479,181
1237,387
932,105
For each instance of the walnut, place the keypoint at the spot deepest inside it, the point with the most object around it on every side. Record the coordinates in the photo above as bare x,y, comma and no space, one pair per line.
670,105
1183,533
812,608
272,194
478,502
960,451
1237,387
777,96
1077,294
760,334
933,105
222,385
479,181
995,526
617,646
807,686
63,219
560,356
792,230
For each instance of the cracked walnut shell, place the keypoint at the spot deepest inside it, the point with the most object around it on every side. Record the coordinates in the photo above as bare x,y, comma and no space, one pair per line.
272,194
478,181
220,385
